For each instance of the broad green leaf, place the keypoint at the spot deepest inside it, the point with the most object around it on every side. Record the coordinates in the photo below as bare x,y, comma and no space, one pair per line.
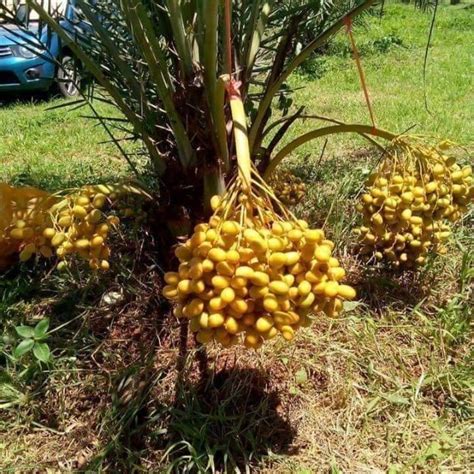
25,331
41,351
41,328
7,339
22,348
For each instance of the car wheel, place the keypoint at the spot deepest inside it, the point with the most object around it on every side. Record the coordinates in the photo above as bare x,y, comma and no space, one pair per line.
68,77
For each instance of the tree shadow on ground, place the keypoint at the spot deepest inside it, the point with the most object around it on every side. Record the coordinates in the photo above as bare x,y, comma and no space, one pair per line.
382,288
225,422
233,419
26,98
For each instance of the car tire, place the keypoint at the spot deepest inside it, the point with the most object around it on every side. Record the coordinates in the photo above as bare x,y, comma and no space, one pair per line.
68,77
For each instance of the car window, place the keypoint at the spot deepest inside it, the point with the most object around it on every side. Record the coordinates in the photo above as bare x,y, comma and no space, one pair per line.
26,14
74,13
22,14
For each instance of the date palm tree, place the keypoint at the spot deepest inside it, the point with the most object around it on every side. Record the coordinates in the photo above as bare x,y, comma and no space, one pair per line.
167,66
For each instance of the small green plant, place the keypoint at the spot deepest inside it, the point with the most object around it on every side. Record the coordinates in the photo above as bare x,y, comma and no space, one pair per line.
386,43
33,341
21,362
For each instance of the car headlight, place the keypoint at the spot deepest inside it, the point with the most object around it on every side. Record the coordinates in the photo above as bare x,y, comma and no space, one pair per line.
27,52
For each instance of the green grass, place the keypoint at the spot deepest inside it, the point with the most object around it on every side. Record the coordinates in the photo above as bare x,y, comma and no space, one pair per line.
395,78
386,388
54,149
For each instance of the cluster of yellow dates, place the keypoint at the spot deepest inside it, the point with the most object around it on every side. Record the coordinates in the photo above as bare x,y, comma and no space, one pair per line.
410,202
34,222
288,188
79,227
22,212
250,276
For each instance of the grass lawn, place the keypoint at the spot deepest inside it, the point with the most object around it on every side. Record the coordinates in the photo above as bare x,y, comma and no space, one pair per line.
395,77
54,148
385,388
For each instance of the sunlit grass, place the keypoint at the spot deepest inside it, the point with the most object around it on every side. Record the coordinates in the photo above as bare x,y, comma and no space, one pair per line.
54,149
395,78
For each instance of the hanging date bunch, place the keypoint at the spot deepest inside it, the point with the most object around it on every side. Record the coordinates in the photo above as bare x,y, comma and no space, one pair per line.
253,271
23,215
66,227
411,202
288,188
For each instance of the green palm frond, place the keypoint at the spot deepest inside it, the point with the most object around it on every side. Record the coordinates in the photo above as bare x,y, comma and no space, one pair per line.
161,64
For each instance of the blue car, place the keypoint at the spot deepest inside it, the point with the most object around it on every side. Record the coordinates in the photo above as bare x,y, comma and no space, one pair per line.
32,57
